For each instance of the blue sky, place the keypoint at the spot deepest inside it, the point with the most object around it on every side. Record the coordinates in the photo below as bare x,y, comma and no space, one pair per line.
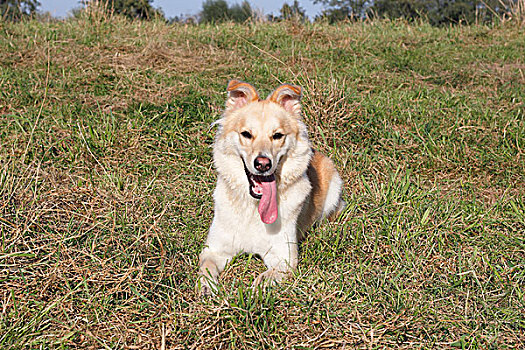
60,8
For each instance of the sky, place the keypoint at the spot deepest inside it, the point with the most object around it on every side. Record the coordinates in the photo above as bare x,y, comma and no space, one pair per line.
171,8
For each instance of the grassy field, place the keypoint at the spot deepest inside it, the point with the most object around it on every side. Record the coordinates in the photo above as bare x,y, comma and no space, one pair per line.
106,184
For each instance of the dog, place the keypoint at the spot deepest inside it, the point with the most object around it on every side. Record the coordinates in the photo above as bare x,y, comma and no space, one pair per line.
271,185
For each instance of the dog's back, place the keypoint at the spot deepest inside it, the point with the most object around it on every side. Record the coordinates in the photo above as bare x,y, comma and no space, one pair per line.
325,197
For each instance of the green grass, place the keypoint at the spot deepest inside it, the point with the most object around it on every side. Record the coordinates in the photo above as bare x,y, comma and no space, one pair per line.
106,185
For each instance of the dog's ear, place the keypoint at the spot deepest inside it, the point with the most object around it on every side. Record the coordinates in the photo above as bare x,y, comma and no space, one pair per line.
289,97
240,94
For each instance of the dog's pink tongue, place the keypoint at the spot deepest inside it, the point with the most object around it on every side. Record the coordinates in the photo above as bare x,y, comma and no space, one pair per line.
268,202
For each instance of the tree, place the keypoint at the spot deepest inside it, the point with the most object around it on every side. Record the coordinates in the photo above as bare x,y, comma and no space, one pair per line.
15,10
406,9
135,9
469,11
214,11
344,9
334,15
240,13
438,12
294,12
454,12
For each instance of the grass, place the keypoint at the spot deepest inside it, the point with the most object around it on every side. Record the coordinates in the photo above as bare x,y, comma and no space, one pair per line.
106,185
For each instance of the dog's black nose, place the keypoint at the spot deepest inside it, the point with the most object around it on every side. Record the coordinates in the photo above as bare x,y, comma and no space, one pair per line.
262,164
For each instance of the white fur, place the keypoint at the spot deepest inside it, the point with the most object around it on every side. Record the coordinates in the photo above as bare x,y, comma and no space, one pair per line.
333,201
237,226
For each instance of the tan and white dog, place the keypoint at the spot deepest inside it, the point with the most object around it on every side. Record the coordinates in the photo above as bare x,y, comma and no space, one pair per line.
271,186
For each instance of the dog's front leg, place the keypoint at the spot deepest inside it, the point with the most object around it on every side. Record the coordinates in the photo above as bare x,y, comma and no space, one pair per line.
211,264
281,260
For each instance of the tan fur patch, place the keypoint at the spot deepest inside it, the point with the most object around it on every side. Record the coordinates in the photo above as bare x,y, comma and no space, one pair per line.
240,85
320,173
275,96
235,122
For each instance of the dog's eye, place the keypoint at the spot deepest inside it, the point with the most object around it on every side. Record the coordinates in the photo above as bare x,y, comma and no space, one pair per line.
246,134
277,136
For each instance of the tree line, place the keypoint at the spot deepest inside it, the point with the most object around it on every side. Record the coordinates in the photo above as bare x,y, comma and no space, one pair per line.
435,12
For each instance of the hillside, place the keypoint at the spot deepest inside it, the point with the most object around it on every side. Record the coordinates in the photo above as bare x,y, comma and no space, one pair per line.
106,185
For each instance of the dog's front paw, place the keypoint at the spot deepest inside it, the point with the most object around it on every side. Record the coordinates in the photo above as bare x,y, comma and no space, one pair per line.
206,287
269,278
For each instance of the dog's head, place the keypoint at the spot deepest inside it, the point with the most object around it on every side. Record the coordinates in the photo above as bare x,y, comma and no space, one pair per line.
262,133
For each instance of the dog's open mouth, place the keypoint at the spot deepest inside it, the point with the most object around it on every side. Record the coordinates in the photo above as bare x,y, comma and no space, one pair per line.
264,188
